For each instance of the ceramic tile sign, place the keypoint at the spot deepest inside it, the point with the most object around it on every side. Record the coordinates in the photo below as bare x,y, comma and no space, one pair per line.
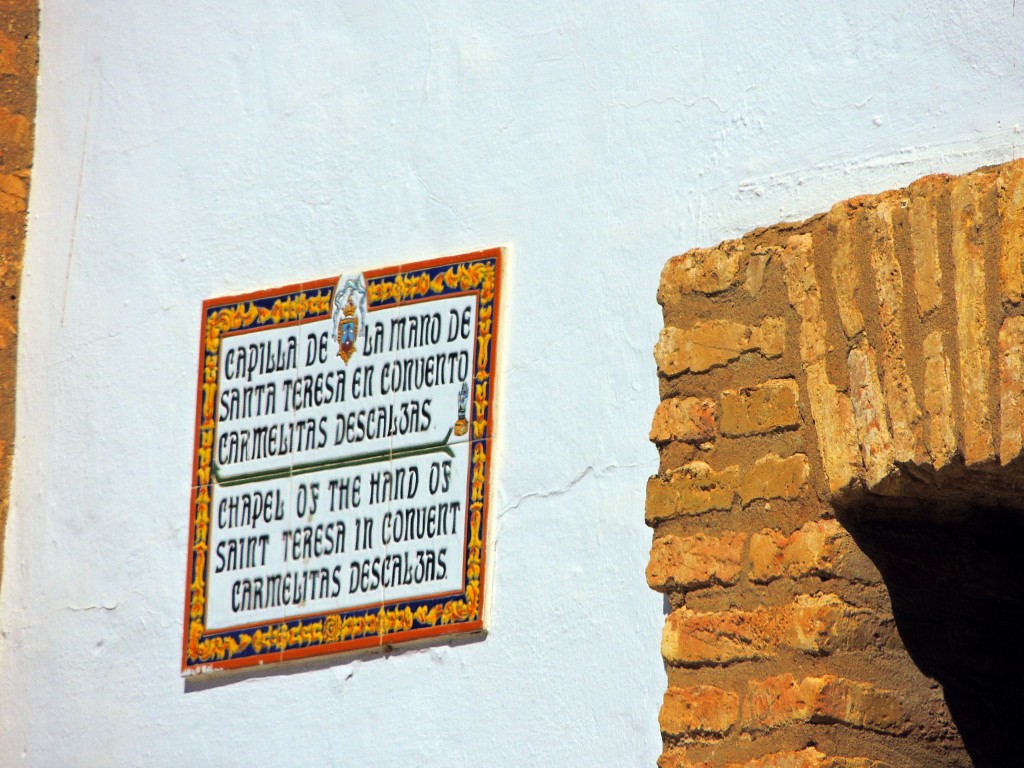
342,463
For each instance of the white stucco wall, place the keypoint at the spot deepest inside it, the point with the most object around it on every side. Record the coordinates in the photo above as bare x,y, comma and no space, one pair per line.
187,150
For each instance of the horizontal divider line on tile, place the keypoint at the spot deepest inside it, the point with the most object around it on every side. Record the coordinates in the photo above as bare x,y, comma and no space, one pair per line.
441,446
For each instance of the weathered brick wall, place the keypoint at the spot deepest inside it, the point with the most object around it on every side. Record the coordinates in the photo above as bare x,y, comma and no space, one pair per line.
19,49
875,352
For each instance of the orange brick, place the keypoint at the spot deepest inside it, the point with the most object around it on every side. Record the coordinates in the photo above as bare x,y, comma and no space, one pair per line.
699,711
773,702
853,762
844,271
816,625
695,561
968,197
1010,191
861,705
805,296
870,414
714,343
924,194
820,548
939,433
821,624
701,270
830,409
807,758
8,55
711,639
688,419
781,700
759,409
904,414
773,477
662,501
773,554
692,489
756,264
13,193
1011,389
674,757
15,129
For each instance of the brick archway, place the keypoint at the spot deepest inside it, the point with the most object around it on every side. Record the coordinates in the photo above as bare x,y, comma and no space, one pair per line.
834,390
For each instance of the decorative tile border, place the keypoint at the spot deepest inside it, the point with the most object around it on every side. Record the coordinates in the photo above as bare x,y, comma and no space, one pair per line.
266,356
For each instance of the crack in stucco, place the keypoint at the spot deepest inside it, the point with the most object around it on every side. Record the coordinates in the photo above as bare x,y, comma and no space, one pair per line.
439,202
78,200
589,471
80,608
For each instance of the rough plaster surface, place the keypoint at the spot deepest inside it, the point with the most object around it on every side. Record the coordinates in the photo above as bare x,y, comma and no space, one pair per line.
190,150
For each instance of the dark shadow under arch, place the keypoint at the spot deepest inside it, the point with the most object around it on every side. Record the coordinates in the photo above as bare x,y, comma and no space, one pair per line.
955,575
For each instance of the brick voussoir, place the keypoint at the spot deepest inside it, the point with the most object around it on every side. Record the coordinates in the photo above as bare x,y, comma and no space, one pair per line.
821,548
782,700
972,326
815,625
681,563
716,343
901,400
761,408
693,489
698,712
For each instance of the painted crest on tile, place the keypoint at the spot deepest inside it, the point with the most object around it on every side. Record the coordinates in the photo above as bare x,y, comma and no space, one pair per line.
349,315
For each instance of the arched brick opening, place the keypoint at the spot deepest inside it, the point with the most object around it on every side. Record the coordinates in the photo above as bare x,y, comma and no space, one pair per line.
839,499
